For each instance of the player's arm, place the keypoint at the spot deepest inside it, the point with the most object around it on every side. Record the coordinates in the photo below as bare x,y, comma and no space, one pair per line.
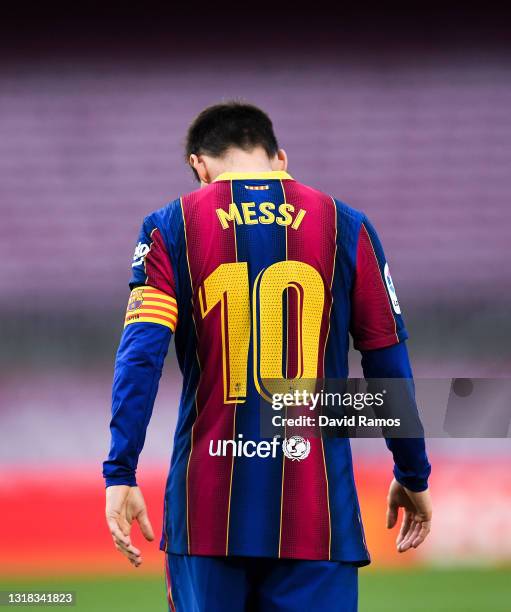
379,333
409,489
151,318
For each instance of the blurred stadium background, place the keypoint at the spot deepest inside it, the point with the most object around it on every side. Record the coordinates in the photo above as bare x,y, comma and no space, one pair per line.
412,126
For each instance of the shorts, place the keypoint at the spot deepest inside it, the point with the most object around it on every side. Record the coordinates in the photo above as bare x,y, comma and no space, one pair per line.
256,584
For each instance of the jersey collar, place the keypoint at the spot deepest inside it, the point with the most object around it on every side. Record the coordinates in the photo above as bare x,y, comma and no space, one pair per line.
245,176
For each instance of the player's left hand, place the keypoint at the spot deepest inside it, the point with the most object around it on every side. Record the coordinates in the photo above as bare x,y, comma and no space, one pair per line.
418,511
124,505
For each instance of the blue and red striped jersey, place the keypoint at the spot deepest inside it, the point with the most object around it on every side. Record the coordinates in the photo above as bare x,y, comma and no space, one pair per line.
258,277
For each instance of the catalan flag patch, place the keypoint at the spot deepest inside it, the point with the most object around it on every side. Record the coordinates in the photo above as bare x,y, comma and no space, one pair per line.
150,305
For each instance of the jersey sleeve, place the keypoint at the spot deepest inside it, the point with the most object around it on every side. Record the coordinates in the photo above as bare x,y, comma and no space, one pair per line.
411,464
153,289
376,320
151,318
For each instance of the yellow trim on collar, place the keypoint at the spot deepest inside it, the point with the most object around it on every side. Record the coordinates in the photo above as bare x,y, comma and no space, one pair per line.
246,176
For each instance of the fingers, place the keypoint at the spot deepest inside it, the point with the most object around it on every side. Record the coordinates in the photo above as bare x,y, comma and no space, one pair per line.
123,543
415,535
392,514
425,528
405,528
408,537
124,525
116,532
129,549
145,525
132,553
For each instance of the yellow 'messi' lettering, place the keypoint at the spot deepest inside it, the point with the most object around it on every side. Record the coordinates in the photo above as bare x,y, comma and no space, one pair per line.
233,215
265,213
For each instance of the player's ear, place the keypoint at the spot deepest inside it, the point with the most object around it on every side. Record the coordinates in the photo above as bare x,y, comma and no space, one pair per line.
279,162
198,164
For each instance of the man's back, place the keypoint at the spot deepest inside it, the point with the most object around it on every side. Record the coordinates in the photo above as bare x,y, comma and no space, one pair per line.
261,279
268,276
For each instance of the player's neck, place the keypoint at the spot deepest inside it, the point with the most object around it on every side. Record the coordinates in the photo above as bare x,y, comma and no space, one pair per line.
246,162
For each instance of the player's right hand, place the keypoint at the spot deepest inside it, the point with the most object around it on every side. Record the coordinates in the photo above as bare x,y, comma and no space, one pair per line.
124,505
418,511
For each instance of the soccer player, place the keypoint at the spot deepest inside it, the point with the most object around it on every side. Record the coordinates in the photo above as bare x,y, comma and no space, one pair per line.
258,277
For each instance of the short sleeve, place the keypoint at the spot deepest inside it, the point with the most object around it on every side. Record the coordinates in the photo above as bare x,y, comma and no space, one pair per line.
153,289
376,319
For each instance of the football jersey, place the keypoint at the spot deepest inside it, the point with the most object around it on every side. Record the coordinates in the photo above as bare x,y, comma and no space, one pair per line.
258,277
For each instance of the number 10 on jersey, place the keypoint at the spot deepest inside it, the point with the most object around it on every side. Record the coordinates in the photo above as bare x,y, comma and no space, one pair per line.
260,317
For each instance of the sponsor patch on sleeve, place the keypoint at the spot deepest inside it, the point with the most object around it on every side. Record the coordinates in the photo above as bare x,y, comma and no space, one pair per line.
150,305
391,289
141,251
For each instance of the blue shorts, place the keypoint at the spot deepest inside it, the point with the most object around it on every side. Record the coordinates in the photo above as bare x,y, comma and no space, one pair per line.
246,584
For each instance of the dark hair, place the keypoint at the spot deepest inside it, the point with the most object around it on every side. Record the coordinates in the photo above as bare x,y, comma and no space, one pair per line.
231,124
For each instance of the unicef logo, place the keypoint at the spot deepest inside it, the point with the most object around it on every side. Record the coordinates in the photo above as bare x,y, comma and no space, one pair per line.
296,448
